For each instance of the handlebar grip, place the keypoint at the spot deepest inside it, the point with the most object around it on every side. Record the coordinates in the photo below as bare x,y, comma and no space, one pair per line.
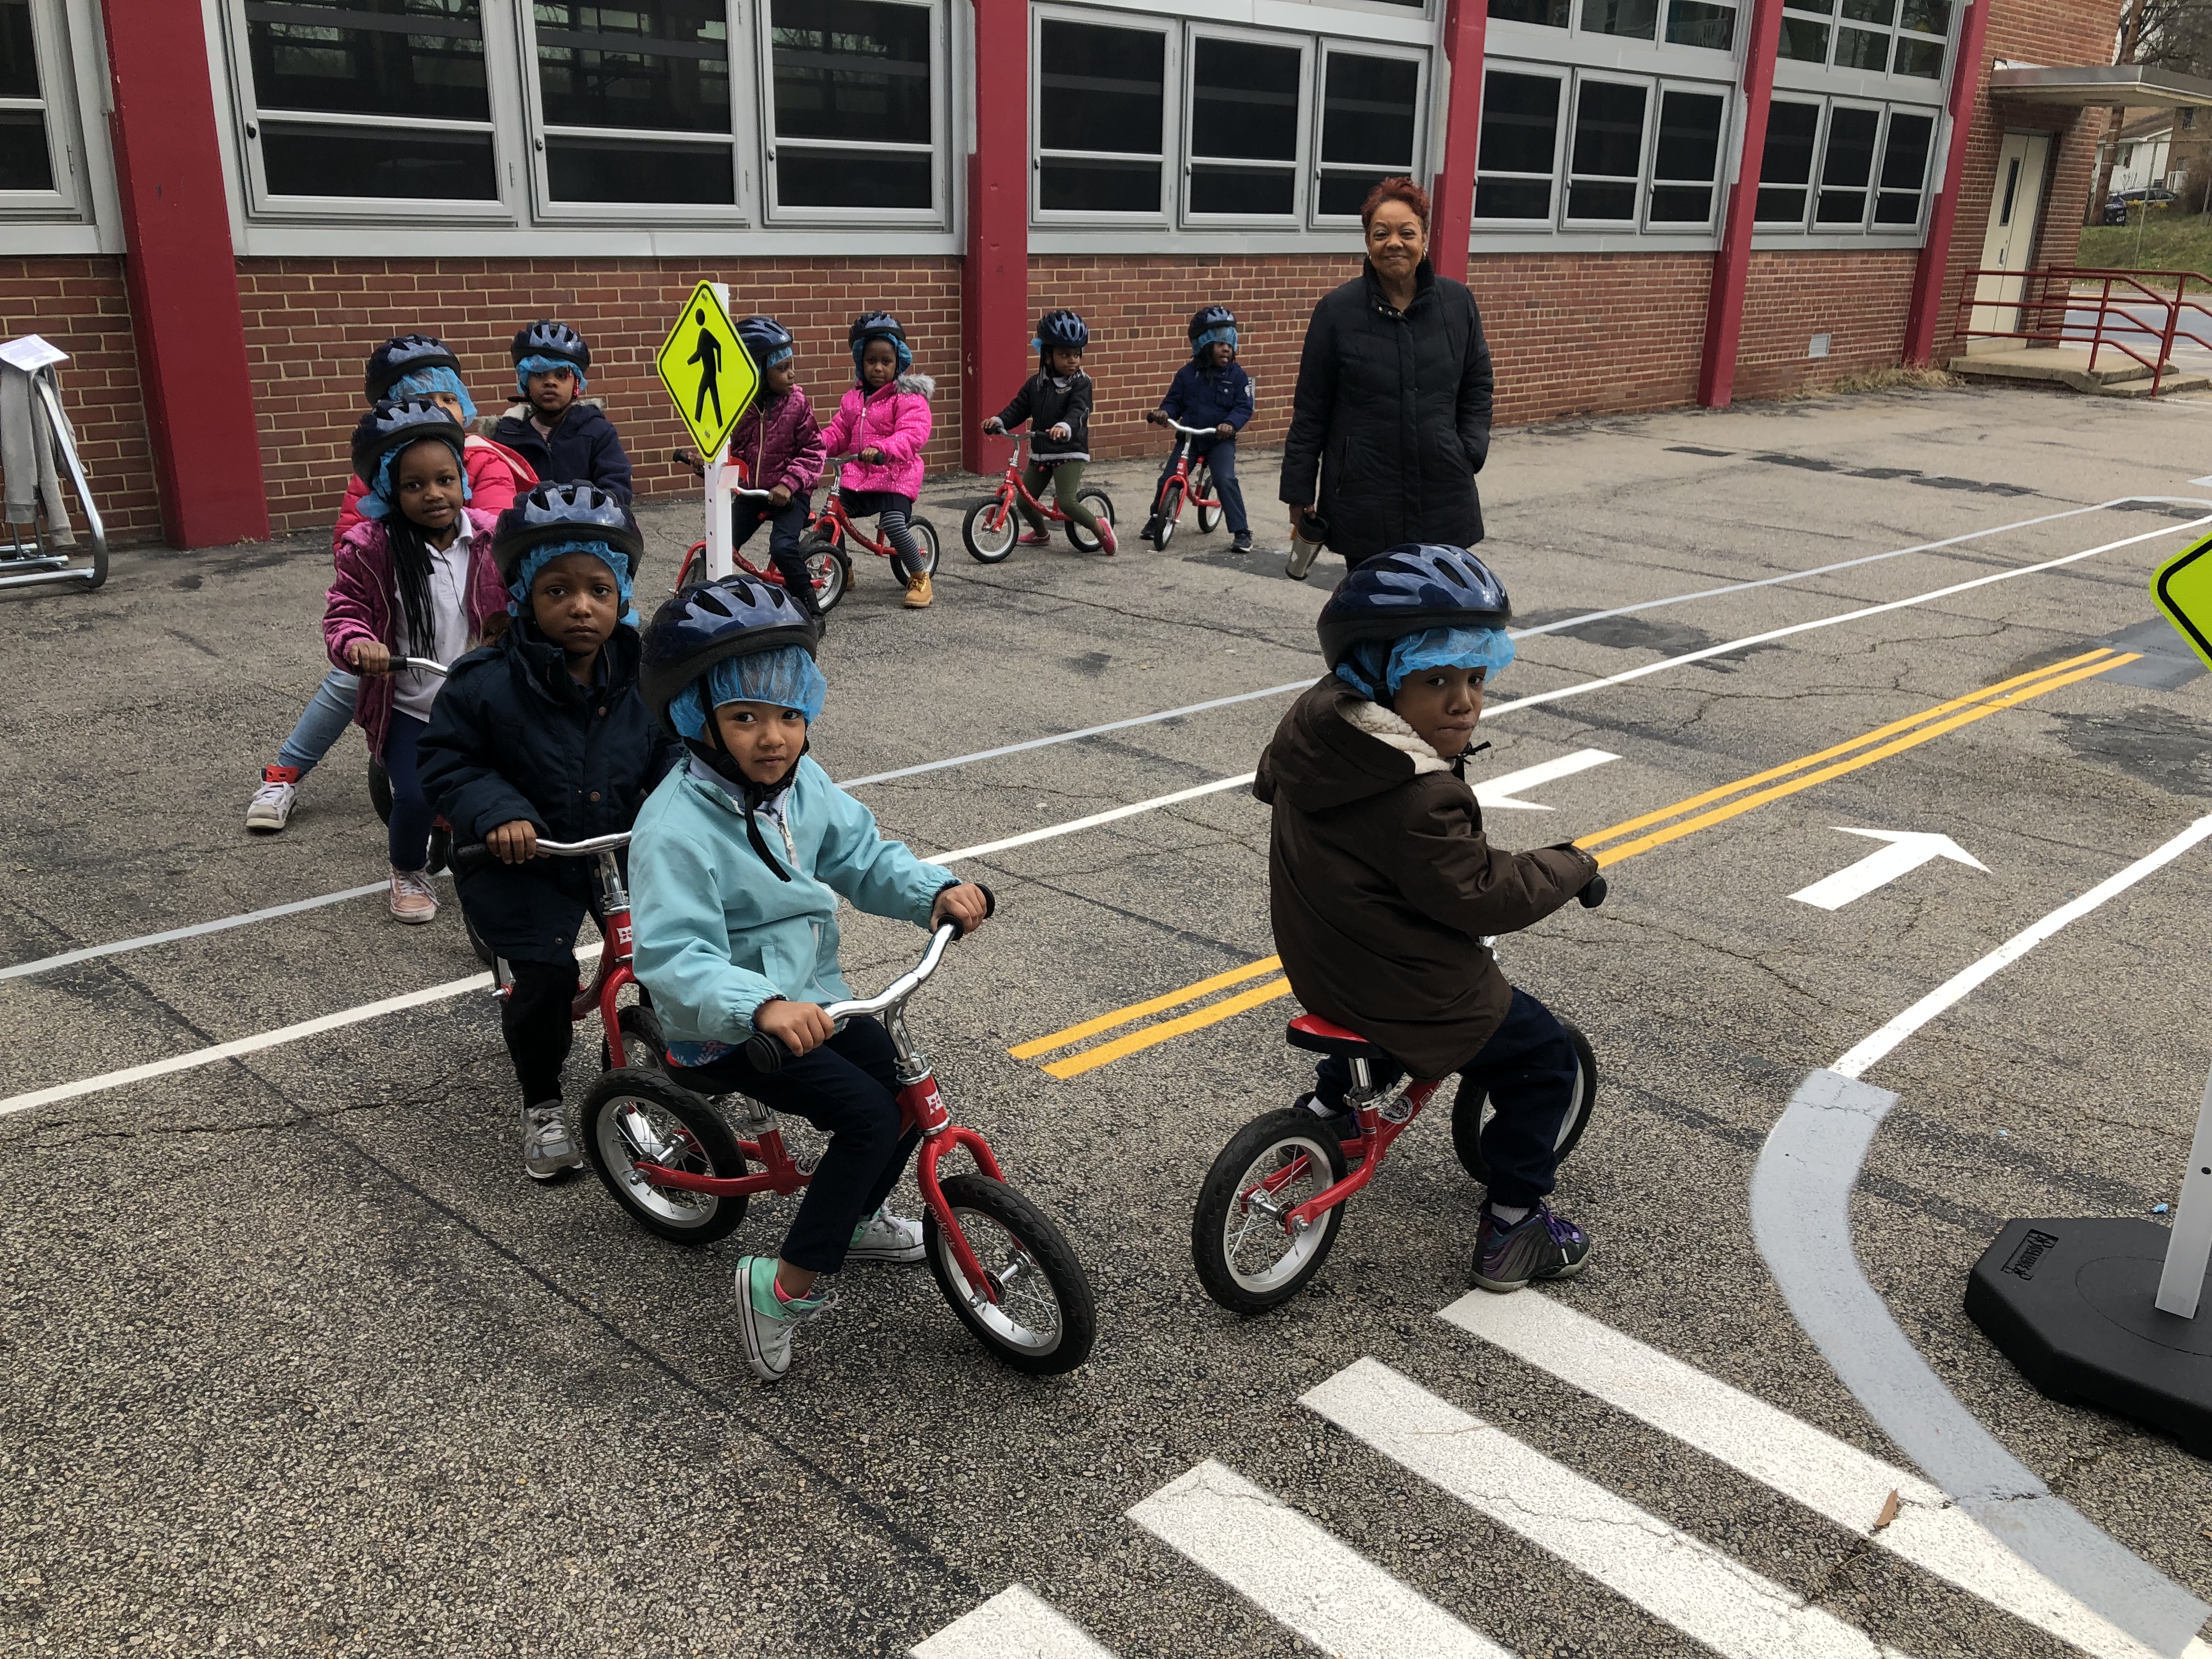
765,1052
467,860
1591,896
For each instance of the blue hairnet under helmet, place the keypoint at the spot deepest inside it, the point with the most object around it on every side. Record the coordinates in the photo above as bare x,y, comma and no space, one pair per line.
535,561
428,382
785,677
527,366
1225,335
1377,668
389,430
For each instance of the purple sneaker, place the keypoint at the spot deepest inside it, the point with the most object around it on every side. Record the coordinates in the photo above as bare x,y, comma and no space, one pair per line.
1541,1245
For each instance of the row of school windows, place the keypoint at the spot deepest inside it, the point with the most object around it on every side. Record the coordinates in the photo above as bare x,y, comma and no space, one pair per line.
662,111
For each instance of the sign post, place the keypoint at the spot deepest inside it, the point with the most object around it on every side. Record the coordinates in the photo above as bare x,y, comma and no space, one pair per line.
2103,1310
711,377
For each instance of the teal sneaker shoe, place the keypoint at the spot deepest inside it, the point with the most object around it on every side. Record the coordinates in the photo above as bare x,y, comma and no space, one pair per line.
767,1319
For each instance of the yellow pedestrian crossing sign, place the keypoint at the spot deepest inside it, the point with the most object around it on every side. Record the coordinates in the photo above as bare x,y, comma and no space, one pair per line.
2183,588
706,370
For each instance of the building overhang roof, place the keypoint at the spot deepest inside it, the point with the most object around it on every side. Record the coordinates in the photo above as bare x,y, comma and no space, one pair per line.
2136,85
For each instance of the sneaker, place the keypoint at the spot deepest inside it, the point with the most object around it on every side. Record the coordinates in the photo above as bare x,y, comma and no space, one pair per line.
1241,542
1037,538
412,900
768,1318
1345,1124
1151,528
271,809
546,1148
1541,1245
1106,542
918,595
885,1238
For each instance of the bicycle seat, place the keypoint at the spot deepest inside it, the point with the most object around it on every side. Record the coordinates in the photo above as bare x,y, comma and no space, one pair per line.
1321,1036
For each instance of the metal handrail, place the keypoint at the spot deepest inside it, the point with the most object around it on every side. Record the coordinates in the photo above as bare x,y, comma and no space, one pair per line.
2051,297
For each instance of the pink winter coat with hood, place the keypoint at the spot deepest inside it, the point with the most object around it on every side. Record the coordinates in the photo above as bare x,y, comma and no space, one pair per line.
496,476
894,418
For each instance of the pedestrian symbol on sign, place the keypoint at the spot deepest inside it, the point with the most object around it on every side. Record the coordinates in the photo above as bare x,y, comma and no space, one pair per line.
708,372
708,354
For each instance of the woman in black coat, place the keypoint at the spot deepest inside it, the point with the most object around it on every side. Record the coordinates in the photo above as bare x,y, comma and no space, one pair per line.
1392,410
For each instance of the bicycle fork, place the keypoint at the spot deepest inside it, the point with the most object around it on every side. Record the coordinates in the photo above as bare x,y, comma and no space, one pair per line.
922,1107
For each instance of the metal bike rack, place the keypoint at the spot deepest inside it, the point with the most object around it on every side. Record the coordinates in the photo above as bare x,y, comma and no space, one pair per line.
25,564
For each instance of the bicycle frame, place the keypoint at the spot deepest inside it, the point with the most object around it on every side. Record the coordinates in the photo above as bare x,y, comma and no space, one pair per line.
1384,1115
698,550
1183,471
606,988
1011,485
835,524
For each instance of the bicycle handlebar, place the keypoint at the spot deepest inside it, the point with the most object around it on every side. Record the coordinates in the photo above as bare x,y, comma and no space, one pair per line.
477,855
768,1053
1194,431
1593,895
427,665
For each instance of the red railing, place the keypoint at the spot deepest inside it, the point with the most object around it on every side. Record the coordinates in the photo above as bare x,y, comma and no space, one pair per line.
2121,311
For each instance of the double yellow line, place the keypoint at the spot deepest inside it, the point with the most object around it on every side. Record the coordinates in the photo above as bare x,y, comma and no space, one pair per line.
1205,1004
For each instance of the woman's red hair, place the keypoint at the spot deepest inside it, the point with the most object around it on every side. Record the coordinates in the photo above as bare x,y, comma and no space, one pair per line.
1395,190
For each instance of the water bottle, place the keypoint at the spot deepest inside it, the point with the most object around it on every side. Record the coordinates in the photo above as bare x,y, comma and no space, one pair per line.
1309,533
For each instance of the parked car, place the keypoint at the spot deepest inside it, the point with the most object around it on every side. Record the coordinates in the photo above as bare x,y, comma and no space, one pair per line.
2154,198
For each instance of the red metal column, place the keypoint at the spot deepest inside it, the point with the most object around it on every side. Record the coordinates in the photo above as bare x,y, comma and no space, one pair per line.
1732,263
181,276
995,279
1452,193
1968,73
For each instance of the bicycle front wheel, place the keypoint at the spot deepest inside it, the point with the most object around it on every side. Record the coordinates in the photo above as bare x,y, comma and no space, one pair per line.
826,569
988,530
1245,1258
1169,509
1102,505
1201,487
638,1117
1044,1321
925,540
1469,1115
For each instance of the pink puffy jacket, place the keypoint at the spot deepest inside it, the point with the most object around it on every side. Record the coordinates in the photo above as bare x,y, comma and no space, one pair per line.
895,419
496,476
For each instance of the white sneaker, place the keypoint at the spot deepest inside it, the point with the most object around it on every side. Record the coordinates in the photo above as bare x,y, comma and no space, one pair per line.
546,1148
768,1320
412,899
271,805
885,1238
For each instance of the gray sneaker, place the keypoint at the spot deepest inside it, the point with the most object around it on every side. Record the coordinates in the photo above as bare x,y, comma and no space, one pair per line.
767,1319
546,1148
885,1238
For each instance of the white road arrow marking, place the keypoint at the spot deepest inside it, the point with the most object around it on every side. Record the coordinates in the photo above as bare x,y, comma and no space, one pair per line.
1907,851
1498,792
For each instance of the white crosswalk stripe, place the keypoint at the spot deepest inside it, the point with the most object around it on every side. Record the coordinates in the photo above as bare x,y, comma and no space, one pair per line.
1014,1624
1300,1574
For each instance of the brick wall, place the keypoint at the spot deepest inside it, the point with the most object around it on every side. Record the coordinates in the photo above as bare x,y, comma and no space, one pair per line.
1860,299
79,304
310,324
1591,333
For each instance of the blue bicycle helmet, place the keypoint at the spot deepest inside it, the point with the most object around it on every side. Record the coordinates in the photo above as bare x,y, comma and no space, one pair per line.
702,626
767,342
879,325
1412,588
547,338
402,356
1063,328
564,512
387,429
1211,325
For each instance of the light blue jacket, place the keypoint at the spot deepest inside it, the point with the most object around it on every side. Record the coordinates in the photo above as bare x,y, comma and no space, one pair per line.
715,933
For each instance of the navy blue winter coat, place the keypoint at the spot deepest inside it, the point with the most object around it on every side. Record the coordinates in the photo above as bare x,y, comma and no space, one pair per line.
1208,397
583,449
513,735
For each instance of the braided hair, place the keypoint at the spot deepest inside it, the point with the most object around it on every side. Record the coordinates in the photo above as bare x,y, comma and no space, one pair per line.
411,558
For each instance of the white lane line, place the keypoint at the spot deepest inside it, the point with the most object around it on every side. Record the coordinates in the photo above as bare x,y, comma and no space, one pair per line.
46,964
1829,1477
1300,1575
1052,832
1708,1596
1878,1044
1012,1625
1498,792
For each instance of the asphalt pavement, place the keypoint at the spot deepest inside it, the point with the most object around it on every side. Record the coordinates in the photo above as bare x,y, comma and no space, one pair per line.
295,1360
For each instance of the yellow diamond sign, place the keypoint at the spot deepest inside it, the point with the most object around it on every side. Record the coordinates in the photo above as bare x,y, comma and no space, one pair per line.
706,370
2183,588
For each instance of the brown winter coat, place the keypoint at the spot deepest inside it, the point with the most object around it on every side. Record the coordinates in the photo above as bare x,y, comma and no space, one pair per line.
1380,880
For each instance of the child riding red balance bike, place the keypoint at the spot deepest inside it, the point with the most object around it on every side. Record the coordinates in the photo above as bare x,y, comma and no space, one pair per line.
826,562
994,523
1185,484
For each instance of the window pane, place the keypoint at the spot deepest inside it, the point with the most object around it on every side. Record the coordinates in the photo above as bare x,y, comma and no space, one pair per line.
1896,208
581,170
841,178
1849,158
1803,40
1586,200
1082,186
855,70
369,57
1520,122
19,61
1608,130
1923,58
1635,18
1243,190
1244,101
1701,23
1689,136
24,162
1781,207
1870,11
1904,156
1103,88
1344,193
1681,204
390,162
1786,164
1929,16
1857,49
1513,199
1552,13
1367,109
1825,7
662,63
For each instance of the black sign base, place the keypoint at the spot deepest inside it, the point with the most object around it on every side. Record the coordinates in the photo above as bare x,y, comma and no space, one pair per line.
2073,1304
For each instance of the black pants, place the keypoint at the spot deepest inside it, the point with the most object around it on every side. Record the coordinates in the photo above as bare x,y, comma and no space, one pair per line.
785,525
535,1021
1528,1068
849,1086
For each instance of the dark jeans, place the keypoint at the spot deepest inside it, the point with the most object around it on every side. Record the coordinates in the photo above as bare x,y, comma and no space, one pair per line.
408,831
891,512
849,1086
1222,453
534,1019
785,525
1528,1068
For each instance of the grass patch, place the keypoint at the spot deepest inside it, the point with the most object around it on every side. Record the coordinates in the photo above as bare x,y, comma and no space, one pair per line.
1895,378
2164,241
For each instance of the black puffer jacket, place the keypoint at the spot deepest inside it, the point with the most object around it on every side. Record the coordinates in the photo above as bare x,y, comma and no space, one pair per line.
583,448
513,735
1393,412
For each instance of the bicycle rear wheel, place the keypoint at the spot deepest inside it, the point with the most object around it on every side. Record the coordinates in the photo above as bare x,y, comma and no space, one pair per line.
826,567
1102,505
639,1116
1245,1258
1044,1321
989,530
645,1045
1201,487
1169,509
1469,1115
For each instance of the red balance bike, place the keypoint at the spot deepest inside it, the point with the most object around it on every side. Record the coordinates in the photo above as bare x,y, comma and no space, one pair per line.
1185,484
671,1160
994,523
826,564
1269,1209
833,531
631,1032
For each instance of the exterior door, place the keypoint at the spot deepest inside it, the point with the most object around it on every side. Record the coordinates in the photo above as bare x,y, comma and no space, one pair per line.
2009,245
